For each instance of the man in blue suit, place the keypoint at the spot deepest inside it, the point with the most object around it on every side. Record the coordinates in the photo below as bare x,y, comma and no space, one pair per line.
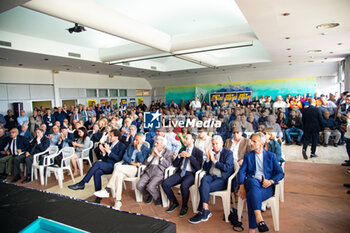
188,161
258,174
133,158
13,147
218,167
112,153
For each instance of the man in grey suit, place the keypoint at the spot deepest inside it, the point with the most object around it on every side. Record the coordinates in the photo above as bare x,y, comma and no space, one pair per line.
75,115
160,159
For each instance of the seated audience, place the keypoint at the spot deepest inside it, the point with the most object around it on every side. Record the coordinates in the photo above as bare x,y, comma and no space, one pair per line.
152,176
34,122
238,145
112,153
203,142
272,145
25,132
55,136
330,127
11,121
258,174
294,125
49,119
188,161
218,168
82,142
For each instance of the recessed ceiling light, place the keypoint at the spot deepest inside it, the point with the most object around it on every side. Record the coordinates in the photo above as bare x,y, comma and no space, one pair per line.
331,52
67,69
290,56
340,43
93,65
286,14
46,59
289,61
289,49
310,61
287,37
97,72
323,34
327,25
314,51
20,64
325,58
290,64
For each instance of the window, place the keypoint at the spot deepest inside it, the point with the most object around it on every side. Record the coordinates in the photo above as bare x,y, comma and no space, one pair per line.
102,93
139,92
91,93
146,93
113,92
123,92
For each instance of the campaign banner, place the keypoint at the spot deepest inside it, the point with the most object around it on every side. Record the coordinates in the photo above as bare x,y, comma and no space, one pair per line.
103,101
235,95
139,100
90,102
115,103
124,102
133,101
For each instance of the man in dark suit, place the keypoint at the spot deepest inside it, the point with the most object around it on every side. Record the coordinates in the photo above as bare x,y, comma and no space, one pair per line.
112,153
10,119
258,174
15,145
39,144
188,161
75,116
312,121
218,168
49,120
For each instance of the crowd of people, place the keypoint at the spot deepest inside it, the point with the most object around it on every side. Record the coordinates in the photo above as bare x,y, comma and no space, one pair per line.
248,132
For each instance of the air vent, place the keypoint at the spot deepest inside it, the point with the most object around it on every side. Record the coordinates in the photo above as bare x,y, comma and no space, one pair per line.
5,43
126,63
154,67
74,55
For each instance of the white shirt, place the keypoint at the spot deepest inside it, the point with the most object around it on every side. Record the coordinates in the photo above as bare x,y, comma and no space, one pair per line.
234,148
195,104
188,168
213,170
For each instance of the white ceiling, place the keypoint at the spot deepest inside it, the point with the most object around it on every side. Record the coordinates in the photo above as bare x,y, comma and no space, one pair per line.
121,31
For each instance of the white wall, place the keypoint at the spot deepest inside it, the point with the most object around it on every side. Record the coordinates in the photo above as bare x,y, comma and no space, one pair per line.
25,85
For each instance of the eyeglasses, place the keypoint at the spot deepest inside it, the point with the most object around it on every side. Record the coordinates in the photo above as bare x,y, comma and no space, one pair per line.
236,132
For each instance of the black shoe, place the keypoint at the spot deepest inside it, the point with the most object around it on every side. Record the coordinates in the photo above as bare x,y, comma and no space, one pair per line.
3,177
313,156
299,143
17,178
347,185
346,164
183,211
77,186
149,199
172,207
348,192
335,145
346,161
262,227
325,145
304,154
98,200
159,201
26,180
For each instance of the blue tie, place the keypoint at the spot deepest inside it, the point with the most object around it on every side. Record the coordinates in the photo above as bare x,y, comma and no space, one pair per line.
183,172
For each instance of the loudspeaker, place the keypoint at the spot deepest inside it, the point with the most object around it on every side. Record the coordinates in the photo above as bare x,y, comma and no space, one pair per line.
17,107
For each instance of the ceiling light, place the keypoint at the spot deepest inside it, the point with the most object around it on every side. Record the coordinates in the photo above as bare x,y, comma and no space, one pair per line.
289,49
46,59
20,64
286,14
340,43
331,52
310,61
287,37
77,28
323,33
314,51
93,65
97,72
289,56
327,25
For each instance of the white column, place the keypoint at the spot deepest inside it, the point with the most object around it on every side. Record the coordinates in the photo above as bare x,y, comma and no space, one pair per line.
56,90
347,74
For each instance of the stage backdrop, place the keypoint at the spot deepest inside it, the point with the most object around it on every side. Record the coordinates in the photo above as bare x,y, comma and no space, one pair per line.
271,87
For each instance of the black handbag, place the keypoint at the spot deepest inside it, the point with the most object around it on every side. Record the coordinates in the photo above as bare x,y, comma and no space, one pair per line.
233,218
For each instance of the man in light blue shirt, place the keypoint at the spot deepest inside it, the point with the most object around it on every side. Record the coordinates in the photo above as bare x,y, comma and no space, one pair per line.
55,136
23,119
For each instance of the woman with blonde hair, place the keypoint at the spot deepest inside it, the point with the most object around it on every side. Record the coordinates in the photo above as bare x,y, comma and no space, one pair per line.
272,145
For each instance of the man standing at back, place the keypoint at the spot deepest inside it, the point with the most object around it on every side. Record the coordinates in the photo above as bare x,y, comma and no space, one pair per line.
312,121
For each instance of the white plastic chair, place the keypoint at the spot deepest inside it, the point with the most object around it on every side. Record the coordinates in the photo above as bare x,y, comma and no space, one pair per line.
85,156
272,201
193,189
46,162
67,154
281,183
225,194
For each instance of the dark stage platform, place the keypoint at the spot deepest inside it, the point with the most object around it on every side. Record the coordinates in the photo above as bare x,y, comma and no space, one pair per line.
19,206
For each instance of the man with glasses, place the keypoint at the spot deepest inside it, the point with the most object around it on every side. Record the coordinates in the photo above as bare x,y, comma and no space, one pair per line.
15,147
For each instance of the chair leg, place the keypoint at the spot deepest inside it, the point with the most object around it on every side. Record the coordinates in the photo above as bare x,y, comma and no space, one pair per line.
213,199
275,214
165,199
46,175
281,190
41,173
226,205
240,208
60,177
194,200
138,195
80,161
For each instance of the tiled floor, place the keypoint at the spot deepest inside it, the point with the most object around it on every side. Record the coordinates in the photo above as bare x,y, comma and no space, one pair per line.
315,199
